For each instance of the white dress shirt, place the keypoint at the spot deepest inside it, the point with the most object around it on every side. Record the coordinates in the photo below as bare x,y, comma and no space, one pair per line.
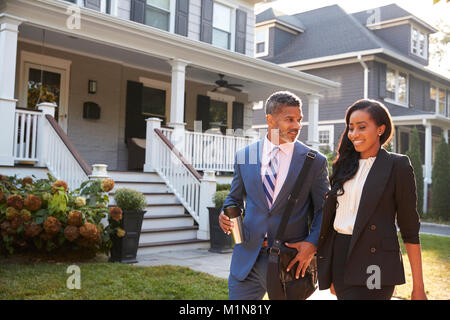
349,201
284,158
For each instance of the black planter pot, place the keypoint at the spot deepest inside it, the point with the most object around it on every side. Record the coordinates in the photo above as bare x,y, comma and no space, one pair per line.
124,249
220,242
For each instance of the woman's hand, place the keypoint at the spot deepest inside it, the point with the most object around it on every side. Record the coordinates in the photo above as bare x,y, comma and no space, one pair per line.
418,295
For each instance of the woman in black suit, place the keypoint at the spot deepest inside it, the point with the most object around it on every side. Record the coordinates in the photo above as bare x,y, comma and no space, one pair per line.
358,251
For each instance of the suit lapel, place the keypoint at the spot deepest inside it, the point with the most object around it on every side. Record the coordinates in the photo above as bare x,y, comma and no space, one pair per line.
297,161
257,172
372,191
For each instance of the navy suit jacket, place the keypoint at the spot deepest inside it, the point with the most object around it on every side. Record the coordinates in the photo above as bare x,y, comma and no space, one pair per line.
247,186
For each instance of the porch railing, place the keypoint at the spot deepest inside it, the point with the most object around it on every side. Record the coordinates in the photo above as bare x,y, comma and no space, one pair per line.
62,158
207,151
180,177
38,138
25,135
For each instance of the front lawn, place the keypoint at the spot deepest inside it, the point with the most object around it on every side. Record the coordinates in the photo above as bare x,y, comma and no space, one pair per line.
108,281
436,268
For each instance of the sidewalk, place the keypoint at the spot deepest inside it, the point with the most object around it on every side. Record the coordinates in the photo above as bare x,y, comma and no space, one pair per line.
216,264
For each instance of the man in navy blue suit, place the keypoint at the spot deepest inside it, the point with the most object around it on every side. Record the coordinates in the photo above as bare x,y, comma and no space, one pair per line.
264,175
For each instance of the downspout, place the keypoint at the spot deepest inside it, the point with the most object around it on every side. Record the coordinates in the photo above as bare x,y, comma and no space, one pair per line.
366,76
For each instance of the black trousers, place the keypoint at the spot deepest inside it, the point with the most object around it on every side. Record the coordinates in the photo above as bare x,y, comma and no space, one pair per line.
347,292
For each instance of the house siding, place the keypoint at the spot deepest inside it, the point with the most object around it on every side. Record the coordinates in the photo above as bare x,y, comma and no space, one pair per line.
335,101
123,9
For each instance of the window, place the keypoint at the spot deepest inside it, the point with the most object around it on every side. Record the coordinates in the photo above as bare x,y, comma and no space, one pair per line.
221,26
326,138
154,103
262,42
418,43
396,86
106,6
157,14
440,100
448,104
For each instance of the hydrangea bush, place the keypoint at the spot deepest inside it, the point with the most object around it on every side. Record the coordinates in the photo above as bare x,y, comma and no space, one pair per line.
43,214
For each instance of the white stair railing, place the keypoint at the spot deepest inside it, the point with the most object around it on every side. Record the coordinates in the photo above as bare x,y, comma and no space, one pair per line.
178,175
57,152
25,135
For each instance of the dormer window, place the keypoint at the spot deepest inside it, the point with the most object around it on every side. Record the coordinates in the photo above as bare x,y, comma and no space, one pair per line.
262,42
419,44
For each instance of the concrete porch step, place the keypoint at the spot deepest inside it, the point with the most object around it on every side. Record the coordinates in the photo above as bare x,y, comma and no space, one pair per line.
135,176
166,221
163,246
154,198
152,235
158,209
141,186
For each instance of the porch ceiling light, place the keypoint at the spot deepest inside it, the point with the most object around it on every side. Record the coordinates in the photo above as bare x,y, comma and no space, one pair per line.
92,87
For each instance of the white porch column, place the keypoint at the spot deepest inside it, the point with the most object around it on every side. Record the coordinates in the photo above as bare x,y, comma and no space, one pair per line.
177,102
150,154
428,162
446,135
207,190
9,30
47,108
313,121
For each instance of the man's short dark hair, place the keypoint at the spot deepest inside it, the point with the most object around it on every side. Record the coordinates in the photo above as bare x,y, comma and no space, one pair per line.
280,99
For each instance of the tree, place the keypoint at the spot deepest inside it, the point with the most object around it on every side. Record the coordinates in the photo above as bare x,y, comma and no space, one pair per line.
440,203
416,161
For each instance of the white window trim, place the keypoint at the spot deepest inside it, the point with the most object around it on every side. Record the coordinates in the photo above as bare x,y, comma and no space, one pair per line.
233,8
436,105
229,100
266,43
395,101
51,64
172,8
330,129
161,85
114,6
425,45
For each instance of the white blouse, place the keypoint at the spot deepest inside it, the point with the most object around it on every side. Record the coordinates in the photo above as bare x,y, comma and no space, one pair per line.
349,201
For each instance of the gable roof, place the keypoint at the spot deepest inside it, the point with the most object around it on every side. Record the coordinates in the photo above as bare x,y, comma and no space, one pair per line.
271,14
329,31
391,12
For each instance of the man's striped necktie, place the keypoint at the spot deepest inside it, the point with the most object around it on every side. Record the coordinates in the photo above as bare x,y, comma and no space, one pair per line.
270,177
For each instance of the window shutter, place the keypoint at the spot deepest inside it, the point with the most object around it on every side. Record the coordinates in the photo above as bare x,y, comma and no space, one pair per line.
137,13
92,4
203,104
182,17
241,31
382,84
206,21
238,115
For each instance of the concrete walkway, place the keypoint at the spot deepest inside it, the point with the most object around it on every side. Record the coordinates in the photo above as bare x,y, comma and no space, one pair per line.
216,264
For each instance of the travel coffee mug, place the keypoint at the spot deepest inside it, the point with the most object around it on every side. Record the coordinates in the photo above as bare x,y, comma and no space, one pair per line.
235,215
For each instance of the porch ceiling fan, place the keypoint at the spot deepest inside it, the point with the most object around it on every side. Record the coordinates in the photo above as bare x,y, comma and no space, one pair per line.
222,85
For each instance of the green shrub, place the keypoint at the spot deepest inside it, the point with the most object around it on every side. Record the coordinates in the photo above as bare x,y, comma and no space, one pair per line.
53,218
129,199
219,198
440,200
416,161
223,186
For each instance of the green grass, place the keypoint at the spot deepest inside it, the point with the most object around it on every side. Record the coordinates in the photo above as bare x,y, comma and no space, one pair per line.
108,281
436,268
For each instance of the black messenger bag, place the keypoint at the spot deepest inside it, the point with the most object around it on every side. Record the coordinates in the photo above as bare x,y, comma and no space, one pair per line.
282,285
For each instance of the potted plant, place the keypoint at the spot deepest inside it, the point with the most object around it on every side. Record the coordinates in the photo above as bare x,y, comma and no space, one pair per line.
128,214
220,242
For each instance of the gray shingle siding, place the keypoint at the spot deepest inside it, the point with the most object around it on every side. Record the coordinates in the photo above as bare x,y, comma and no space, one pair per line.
335,101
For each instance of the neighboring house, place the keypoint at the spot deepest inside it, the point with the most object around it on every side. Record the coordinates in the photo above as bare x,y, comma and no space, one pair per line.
125,78
380,54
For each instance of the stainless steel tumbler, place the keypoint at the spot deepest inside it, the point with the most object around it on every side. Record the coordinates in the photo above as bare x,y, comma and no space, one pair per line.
235,215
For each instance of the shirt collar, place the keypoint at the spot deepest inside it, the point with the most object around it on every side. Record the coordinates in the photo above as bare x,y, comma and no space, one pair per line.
285,147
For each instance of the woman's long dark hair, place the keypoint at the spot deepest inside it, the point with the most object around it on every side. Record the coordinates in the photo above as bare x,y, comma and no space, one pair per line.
346,163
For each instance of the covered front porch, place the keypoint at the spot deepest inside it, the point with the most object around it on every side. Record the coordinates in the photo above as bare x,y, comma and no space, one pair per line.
109,75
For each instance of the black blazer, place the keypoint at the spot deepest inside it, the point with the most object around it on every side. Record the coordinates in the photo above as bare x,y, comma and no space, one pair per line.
388,193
